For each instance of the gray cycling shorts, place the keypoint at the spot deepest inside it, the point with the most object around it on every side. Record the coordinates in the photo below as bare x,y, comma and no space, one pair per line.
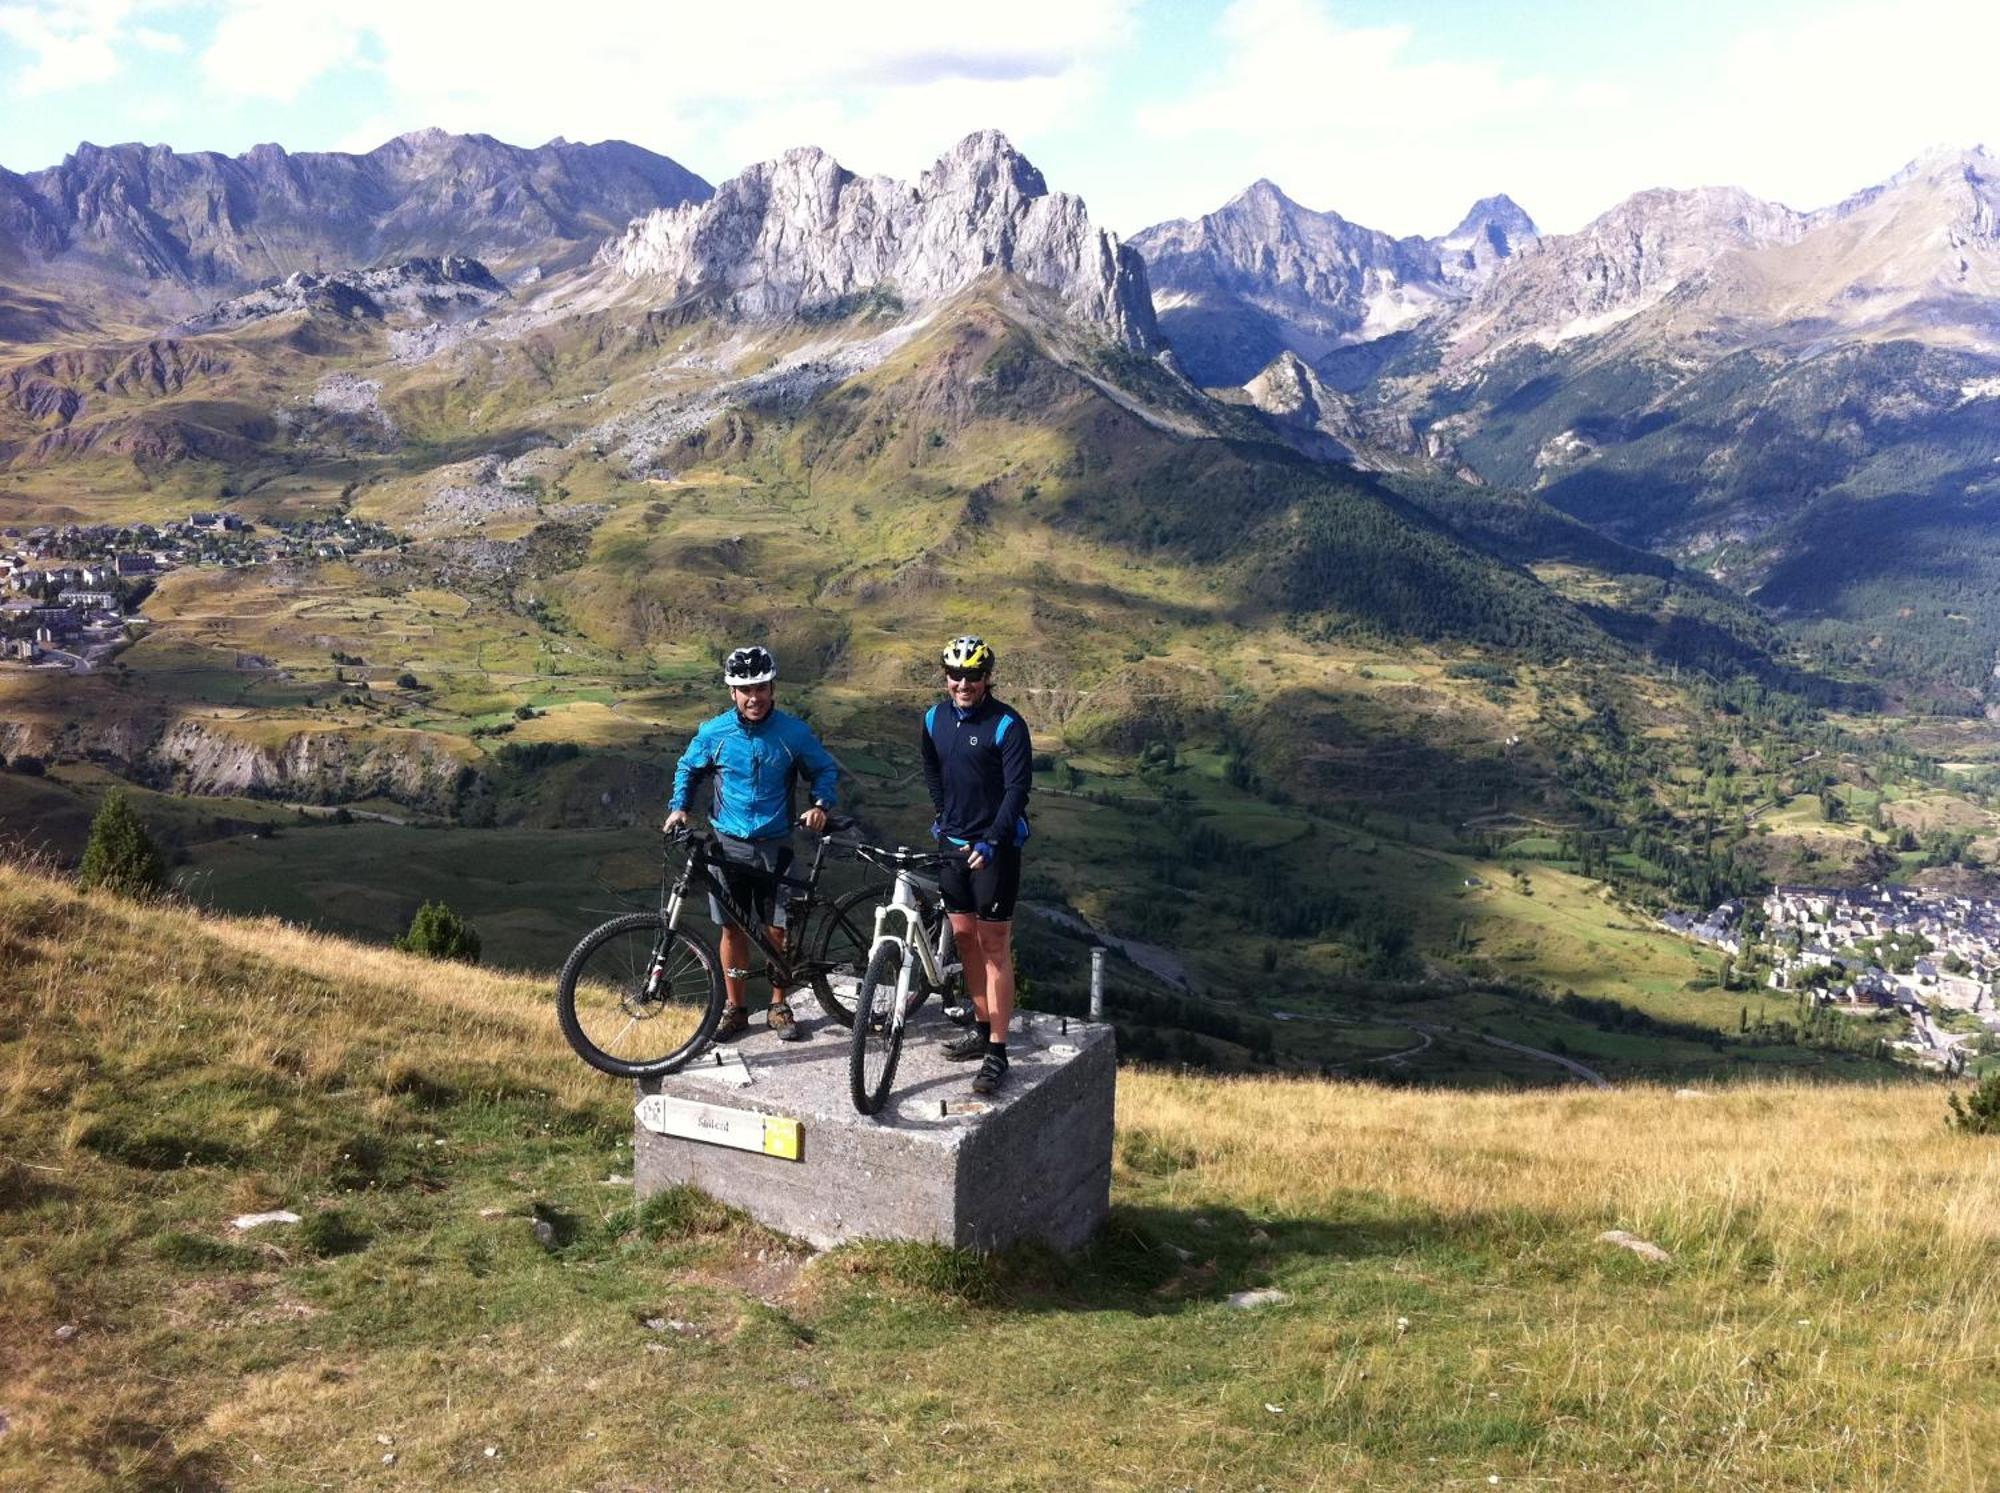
760,896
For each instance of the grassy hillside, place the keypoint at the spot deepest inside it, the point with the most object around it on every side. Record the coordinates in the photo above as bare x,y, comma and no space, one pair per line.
1826,1318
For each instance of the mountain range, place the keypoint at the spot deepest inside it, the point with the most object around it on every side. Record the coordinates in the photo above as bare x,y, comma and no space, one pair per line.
1724,380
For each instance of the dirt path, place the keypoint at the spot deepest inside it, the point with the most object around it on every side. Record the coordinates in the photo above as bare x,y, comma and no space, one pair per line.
1589,1075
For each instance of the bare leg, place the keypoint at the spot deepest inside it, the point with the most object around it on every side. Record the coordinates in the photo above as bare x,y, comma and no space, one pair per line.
777,937
996,946
735,956
965,929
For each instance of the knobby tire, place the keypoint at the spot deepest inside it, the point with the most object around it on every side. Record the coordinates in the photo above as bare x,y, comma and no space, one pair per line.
688,954
865,1044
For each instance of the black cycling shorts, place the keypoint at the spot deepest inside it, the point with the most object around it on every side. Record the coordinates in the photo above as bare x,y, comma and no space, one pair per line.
752,869
989,892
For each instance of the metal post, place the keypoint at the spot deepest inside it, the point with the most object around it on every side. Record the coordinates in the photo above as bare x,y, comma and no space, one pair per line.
1097,983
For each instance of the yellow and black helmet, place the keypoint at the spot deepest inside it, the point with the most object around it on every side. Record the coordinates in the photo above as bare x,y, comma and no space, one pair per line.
968,653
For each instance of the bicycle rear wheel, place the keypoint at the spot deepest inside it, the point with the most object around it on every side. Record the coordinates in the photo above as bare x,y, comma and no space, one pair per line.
839,954
877,1039
636,999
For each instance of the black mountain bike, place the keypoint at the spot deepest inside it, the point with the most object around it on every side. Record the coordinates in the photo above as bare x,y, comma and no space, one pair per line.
642,994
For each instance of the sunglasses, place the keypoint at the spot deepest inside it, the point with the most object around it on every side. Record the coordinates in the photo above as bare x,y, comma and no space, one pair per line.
959,676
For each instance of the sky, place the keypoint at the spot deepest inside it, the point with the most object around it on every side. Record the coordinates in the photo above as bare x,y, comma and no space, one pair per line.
1396,115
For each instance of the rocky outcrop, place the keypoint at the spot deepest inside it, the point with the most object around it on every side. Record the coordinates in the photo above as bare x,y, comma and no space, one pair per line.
327,765
1262,275
802,235
1326,423
202,220
40,397
319,766
439,289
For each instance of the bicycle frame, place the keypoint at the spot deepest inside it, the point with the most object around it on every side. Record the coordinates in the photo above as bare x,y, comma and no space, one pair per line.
703,861
903,905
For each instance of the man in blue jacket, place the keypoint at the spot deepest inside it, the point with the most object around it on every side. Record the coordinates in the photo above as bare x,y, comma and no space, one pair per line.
754,752
980,766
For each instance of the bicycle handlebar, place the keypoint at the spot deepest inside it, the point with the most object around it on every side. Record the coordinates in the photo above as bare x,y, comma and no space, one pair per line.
682,834
901,856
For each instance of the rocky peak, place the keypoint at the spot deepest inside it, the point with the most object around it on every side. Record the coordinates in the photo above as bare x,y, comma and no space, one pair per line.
802,233
1324,423
986,162
1499,220
1493,230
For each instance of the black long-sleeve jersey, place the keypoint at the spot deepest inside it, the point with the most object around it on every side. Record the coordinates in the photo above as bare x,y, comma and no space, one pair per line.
979,766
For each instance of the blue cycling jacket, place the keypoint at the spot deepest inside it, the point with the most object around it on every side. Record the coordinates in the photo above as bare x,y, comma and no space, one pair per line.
979,768
754,767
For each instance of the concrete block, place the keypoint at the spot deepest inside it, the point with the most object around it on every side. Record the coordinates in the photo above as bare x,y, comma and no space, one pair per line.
936,1164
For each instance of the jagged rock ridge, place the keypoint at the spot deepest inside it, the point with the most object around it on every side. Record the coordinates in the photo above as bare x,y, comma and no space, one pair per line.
202,220
802,234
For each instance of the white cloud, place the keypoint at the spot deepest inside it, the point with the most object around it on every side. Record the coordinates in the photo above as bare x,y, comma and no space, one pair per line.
1821,108
726,84
64,45
1377,123
271,49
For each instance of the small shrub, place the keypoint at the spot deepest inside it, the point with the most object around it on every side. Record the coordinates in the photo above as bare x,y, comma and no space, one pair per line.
407,680
331,1232
121,857
439,933
195,1252
1977,1112
680,1212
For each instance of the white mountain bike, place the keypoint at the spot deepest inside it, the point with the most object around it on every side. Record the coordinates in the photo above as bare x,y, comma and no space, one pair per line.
913,955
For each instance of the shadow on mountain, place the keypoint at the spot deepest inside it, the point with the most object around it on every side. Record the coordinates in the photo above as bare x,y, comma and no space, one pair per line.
1630,506
1939,533
1531,395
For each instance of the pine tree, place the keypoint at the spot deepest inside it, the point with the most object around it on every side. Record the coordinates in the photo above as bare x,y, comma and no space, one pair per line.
440,933
121,857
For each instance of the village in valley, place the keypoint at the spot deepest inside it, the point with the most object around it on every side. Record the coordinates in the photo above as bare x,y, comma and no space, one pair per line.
1930,955
70,595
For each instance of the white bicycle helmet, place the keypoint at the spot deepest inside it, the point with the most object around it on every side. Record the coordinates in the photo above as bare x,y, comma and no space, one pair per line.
746,666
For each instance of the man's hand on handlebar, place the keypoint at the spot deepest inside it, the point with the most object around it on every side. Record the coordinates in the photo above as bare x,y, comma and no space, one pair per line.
676,821
814,819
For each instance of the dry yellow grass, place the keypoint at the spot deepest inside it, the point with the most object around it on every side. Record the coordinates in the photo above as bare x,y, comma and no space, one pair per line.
1825,1321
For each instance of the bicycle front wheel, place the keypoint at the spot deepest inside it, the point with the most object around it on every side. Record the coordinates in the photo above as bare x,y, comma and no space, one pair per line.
877,1039
637,999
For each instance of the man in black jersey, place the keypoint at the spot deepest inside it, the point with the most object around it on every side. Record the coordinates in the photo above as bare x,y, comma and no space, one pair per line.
979,765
